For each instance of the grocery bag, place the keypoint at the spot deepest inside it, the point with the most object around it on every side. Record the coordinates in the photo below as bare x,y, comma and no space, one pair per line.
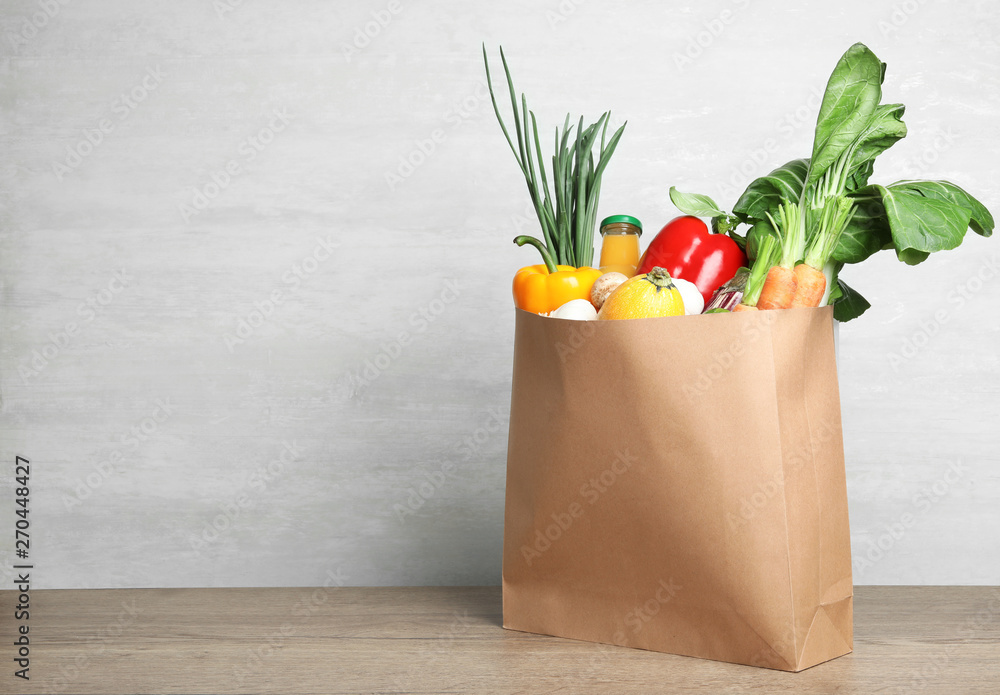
677,484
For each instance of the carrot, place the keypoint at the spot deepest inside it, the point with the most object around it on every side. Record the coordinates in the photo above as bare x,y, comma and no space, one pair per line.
833,217
778,290
810,286
779,285
767,252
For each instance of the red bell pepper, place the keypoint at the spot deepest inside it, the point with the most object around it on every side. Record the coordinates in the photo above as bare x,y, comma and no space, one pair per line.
689,251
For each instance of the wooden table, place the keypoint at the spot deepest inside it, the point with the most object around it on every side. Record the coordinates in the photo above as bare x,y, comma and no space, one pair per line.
449,640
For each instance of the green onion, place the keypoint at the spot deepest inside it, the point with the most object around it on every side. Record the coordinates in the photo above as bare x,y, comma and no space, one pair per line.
568,214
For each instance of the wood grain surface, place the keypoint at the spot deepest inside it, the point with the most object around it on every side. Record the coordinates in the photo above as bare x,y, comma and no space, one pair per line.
300,641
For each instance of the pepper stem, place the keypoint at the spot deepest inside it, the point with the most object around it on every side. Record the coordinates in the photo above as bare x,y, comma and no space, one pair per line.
723,224
532,241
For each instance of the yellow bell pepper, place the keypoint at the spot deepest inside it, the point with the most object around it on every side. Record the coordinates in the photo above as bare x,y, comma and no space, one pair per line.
539,291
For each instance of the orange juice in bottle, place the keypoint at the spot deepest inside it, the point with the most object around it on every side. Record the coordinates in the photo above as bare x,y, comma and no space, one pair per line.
620,244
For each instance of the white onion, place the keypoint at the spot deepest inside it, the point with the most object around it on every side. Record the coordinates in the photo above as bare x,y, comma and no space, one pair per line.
694,302
576,310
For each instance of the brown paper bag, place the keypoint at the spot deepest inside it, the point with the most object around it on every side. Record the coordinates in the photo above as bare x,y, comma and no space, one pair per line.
678,485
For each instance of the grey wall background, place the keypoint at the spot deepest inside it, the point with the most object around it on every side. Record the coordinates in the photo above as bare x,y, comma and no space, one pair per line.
168,167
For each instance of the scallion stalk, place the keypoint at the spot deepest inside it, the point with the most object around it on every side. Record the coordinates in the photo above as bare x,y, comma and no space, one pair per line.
568,215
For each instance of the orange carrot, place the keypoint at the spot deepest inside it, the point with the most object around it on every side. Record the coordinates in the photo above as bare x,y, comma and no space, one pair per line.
778,290
779,285
767,252
834,216
810,286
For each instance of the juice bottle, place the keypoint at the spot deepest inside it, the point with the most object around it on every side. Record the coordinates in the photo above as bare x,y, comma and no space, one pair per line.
620,244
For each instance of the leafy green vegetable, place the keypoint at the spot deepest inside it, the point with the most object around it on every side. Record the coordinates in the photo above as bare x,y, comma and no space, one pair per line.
859,177
884,129
764,194
914,218
791,233
919,223
836,214
980,221
769,253
695,204
851,99
760,229
700,205
867,232
847,303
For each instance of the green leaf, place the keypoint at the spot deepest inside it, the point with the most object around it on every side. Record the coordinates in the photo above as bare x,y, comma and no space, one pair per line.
760,229
866,233
884,129
764,194
740,240
854,166
980,221
835,293
912,256
920,225
847,303
852,95
695,204
859,177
